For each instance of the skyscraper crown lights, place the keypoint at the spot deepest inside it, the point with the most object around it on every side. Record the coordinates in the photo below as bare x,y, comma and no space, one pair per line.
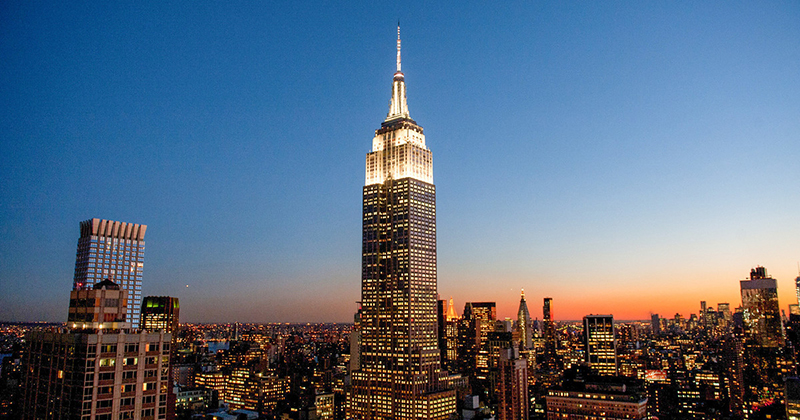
398,148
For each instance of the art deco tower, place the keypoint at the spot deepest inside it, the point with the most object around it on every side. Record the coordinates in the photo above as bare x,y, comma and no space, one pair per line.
400,374
524,322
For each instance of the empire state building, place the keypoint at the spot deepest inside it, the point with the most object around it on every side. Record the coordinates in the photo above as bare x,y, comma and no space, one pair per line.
400,375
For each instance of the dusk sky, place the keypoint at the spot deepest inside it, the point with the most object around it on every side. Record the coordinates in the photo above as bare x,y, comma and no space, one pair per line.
620,157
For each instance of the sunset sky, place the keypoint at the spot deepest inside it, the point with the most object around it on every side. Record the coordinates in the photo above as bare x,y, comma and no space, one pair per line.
620,157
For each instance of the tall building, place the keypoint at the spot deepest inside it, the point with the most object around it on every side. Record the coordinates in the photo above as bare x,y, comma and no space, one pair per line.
599,343
99,369
448,334
115,251
400,376
549,332
761,315
160,313
512,387
524,323
484,316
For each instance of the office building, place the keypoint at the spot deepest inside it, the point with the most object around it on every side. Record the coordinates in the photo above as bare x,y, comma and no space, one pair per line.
115,251
160,313
484,315
448,334
400,376
599,343
761,315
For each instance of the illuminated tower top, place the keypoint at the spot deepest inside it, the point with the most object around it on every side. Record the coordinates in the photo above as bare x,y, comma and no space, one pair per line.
398,148
451,311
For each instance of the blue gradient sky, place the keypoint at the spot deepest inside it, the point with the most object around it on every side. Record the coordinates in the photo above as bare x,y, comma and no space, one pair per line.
621,157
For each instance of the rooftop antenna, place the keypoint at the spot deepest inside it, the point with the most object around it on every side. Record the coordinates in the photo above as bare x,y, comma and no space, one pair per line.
398,45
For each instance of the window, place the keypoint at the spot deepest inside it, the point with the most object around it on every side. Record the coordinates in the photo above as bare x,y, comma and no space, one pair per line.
104,403
132,348
129,374
108,362
131,361
106,348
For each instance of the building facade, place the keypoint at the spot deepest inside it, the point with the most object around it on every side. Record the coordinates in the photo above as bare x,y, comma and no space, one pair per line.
549,333
599,343
160,313
115,251
585,396
400,376
512,388
96,376
761,313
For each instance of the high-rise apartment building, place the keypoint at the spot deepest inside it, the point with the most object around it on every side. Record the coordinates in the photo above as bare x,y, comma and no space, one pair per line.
761,314
512,387
98,368
115,251
599,343
400,376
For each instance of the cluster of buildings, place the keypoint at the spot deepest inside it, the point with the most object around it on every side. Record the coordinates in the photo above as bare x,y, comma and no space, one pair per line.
408,354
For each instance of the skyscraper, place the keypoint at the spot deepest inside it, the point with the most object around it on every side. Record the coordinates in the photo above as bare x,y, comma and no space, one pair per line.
98,369
549,333
599,343
115,251
524,322
762,319
400,374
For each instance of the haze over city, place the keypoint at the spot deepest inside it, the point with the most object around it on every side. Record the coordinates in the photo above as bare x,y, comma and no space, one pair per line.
620,158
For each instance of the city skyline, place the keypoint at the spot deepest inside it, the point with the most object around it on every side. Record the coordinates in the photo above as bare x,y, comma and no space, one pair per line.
621,159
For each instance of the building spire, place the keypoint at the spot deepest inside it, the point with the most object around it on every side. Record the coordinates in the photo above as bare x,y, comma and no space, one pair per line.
398,106
398,46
